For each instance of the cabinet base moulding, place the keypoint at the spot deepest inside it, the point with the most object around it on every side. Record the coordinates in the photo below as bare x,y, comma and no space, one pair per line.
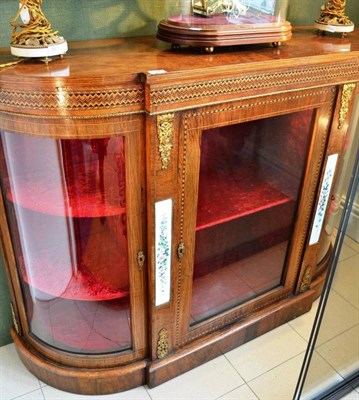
80,380
211,346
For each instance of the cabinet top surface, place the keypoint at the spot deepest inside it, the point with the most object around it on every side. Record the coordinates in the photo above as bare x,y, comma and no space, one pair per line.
127,57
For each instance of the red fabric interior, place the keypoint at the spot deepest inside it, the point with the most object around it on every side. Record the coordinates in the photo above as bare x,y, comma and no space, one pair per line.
246,191
88,327
66,205
249,183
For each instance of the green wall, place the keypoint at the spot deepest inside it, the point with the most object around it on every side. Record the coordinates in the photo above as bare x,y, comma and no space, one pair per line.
5,313
91,19
88,19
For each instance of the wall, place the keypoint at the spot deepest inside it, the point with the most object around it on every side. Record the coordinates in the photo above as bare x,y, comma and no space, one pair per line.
87,19
5,313
90,19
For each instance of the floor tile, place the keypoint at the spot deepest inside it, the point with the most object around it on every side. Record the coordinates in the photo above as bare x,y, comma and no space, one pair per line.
352,243
242,393
346,280
342,352
209,381
351,396
140,393
266,352
279,383
15,379
346,252
320,377
36,395
339,316
304,324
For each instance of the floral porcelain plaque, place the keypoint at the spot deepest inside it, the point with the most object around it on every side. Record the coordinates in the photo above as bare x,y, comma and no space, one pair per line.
163,242
323,198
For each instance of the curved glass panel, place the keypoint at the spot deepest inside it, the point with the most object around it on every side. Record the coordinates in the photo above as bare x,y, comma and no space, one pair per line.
66,206
227,12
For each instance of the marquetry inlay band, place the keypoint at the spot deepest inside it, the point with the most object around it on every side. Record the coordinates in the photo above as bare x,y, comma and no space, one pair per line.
69,100
187,92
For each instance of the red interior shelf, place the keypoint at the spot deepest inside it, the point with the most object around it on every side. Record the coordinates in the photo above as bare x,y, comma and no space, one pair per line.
230,193
52,275
78,197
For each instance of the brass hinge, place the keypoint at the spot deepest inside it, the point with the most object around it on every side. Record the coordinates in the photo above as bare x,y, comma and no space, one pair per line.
141,258
181,250
14,319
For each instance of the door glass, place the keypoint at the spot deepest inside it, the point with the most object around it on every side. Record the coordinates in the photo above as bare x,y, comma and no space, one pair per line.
249,181
66,206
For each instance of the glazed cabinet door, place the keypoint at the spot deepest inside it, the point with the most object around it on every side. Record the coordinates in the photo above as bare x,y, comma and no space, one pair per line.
248,178
73,204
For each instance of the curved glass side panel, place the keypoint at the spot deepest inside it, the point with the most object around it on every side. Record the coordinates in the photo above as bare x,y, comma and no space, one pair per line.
227,12
66,206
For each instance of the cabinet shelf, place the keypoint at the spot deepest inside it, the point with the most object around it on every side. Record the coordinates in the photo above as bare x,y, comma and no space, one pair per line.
103,327
52,275
246,189
79,200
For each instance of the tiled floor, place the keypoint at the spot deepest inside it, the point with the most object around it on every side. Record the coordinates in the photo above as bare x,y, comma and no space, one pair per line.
265,368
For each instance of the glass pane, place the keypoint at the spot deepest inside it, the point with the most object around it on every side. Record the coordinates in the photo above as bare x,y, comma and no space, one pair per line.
332,358
249,182
66,206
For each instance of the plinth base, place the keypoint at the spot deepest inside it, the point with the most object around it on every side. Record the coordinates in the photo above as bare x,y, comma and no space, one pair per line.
220,31
321,26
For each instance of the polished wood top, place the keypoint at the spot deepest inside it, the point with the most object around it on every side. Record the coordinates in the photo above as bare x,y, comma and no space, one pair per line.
142,54
124,65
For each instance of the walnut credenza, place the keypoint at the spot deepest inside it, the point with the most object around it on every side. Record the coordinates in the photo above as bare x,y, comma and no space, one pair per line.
160,207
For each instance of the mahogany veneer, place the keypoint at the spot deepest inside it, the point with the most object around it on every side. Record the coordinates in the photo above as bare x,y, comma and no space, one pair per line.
93,143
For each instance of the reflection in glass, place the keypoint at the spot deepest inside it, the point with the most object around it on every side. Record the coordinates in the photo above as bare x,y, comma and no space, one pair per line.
331,365
250,175
66,205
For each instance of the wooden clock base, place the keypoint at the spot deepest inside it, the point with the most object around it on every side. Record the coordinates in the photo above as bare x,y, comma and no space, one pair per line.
219,30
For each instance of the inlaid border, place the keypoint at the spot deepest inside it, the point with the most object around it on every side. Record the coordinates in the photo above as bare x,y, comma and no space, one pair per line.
226,86
62,99
237,315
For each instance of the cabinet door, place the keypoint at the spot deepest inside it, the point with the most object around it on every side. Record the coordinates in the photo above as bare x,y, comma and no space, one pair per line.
74,212
249,177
